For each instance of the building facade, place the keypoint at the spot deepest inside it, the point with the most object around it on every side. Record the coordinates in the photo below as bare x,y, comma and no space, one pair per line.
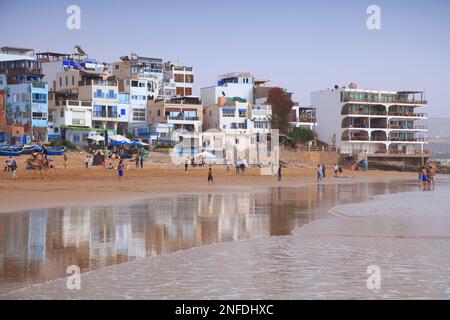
372,123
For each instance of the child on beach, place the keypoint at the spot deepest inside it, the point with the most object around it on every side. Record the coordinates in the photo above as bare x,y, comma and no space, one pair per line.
210,176
279,172
120,169
66,162
186,165
336,170
319,173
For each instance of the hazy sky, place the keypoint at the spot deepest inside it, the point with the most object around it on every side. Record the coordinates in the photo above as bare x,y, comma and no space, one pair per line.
301,45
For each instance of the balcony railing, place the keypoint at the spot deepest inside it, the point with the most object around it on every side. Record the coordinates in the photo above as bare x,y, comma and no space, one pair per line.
408,127
97,82
407,114
390,101
78,122
355,138
104,114
364,113
183,118
304,119
407,139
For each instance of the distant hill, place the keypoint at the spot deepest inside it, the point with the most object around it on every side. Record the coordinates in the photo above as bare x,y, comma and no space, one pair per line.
439,137
438,128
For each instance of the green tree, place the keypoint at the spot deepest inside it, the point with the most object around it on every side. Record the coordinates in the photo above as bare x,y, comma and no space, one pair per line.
302,135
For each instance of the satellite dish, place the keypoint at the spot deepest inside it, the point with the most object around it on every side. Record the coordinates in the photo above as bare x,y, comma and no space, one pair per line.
336,86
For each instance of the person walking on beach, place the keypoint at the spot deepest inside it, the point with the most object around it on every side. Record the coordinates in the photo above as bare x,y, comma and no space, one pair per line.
86,161
279,172
324,170
336,169
424,178
13,170
66,161
186,165
431,175
319,173
9,164
142,162
228,172
137,161
120,169
210,176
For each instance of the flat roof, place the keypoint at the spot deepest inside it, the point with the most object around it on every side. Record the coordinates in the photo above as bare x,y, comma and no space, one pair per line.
14,57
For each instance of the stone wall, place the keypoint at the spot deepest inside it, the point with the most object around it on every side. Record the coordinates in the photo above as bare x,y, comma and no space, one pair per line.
297,158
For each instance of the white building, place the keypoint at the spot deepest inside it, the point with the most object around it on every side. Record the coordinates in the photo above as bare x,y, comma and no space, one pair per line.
232,85
303,117
372,123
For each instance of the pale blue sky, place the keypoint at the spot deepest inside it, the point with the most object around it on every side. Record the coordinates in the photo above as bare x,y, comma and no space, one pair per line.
303,46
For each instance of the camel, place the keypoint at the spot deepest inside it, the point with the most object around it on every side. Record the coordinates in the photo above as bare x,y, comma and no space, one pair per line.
39,163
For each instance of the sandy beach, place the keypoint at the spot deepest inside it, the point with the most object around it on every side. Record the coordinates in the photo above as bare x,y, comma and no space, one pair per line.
98,185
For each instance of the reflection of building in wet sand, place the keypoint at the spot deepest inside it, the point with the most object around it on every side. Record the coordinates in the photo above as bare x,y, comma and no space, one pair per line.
40,245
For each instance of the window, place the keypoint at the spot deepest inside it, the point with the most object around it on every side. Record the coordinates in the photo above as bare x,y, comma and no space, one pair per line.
188,91
39,116
228,113
76,138
242,113
67,81
134,83
159,112
117,67
60,81
141,84
73,80
39,98
123,112
56,130
139,114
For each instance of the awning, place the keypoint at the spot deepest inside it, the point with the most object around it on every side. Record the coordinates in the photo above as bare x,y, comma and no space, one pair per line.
118,137
96,138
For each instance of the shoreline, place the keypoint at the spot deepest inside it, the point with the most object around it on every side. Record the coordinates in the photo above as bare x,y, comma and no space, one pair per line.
55,195
97,186
309,234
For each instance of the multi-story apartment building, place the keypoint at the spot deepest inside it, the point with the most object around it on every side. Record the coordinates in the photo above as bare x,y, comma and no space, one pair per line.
141,68
2,107
183,114
371,123
27,94
178,80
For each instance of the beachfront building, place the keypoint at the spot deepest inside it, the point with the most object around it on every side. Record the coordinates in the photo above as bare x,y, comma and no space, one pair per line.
70,120
27,94
184,115
141,68
238,85
373,124
303,117
178,80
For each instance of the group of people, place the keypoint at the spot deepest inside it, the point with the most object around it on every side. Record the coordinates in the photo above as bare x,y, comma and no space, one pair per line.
427,175
139,160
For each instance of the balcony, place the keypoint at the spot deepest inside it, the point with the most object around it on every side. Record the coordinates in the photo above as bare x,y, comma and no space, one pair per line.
363,113
97,82
78,122
408,114
304,119
104,114
182,117
388,101
398,139
399,127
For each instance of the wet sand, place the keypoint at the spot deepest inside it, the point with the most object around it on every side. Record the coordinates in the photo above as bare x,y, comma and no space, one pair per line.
323,258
